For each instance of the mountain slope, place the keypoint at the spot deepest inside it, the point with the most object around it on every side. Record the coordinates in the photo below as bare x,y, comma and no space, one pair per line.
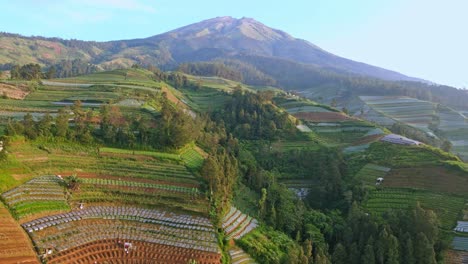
221,37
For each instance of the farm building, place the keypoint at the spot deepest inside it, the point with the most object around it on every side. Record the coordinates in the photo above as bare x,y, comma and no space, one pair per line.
399,139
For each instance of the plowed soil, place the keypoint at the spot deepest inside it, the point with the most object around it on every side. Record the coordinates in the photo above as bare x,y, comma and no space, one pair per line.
15,246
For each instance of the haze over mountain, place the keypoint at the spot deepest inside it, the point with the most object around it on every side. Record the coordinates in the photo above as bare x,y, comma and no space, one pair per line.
217,38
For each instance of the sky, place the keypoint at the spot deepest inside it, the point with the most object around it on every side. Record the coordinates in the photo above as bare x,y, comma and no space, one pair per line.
420,38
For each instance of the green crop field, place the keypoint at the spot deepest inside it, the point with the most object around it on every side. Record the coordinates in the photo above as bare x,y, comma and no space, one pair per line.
447,207
205,99
369,173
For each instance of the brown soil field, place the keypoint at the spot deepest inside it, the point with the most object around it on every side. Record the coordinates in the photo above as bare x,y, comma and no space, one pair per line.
322,116
13,92
15,246
111,251
430,178
456,257
171,97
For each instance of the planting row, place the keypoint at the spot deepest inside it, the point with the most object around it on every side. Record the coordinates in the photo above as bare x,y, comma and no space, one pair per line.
172,188
45,193
14,244
71,235
371,172
112,212
113,250
236,224
446,207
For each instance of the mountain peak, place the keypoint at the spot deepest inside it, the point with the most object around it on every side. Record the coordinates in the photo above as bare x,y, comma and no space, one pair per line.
231,28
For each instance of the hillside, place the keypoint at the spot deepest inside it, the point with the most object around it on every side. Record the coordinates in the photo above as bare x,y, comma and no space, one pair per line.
193,168
220,37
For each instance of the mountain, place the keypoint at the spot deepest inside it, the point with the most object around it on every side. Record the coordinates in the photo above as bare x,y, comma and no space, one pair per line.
217,38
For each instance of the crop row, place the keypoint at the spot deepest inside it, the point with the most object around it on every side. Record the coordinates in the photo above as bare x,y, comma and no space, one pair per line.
446,207
141,185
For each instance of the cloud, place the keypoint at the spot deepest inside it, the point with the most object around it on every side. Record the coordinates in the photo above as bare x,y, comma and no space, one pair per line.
129,5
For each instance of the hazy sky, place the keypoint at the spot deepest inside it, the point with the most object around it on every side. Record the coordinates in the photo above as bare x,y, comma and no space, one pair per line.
420,38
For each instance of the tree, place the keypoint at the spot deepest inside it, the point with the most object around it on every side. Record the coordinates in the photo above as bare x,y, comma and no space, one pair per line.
44,126
407,250
50,74
339,255
446,145
424,251
392,251
72,182
15,72
29,126
368,257
61,123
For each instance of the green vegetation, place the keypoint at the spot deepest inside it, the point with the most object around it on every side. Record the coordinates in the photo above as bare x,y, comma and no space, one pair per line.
446,207
269,246
198,145
370,173
160,155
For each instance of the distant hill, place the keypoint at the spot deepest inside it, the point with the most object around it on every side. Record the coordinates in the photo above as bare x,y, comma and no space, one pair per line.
221,37
243,50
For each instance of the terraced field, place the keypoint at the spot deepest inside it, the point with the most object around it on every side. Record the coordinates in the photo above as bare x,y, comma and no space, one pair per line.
42,194
238,256
371,172
451,124
407,110
205,99
110,250
456,257
71,230
119,198
460,243
447,207
237,224
114,87
437,179
14,244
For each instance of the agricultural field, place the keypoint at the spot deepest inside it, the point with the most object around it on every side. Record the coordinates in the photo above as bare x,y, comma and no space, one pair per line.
371,172
460,243
238,256
129,89
423,115
41,194
331,126
438,179
15,246
237,224
71,230
148,198
456,257
447,207
413,112
205,99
